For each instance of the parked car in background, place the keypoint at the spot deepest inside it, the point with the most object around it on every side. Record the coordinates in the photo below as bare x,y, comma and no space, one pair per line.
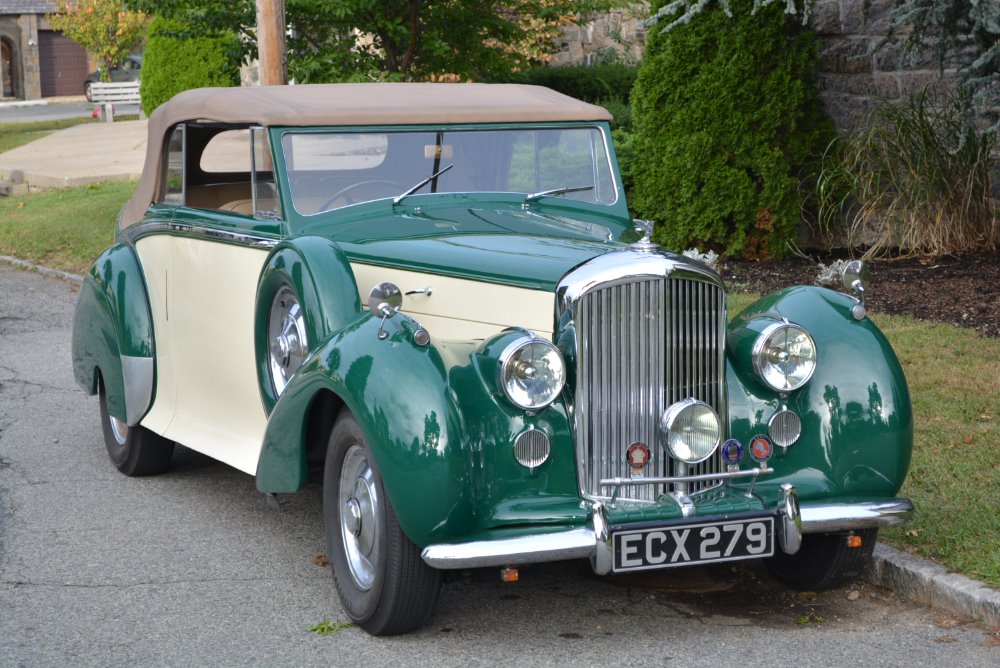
129,70
432,298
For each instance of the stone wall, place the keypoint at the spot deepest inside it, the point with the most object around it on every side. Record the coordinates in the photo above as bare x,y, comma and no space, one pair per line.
616,35
856,75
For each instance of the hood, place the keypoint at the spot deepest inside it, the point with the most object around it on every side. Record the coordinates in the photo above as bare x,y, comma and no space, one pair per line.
505,244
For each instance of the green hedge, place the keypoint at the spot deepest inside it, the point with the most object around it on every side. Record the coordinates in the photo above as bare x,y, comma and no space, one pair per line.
608,85
591,84
727,122
175,62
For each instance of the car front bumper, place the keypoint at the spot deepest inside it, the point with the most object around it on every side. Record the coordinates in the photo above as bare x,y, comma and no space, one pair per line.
593,541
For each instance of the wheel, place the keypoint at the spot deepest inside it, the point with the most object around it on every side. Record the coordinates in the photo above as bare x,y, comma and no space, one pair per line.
343,192
383,584
288,344
87,92
823,562
135,451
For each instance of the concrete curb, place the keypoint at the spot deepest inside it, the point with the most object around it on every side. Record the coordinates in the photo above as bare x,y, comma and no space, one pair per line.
912,578
38,269
933,585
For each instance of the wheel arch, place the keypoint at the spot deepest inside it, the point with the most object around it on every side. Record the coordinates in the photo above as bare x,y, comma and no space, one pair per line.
113,334
322,278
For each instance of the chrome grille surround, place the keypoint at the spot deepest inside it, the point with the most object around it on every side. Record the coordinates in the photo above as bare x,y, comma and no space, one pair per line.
641,329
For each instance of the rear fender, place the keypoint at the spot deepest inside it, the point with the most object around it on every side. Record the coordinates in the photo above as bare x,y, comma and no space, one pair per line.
113,334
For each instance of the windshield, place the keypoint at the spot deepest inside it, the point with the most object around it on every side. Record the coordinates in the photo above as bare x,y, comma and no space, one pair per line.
329,170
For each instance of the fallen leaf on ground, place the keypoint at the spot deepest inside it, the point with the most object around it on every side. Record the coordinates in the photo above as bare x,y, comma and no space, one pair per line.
321,560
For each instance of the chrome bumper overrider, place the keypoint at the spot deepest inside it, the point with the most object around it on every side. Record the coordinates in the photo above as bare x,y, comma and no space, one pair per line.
593,541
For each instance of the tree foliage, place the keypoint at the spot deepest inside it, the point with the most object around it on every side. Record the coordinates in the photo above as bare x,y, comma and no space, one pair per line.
174,64
965,33
726,120
395,39
102,27
678,12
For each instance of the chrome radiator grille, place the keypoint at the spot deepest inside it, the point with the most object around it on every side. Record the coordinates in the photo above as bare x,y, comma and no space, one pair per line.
642,346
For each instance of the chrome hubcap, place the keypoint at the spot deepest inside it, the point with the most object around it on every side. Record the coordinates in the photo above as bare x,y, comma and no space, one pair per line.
360,526
119,430
286,335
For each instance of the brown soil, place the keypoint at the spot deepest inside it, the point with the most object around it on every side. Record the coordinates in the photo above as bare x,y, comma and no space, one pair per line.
963,290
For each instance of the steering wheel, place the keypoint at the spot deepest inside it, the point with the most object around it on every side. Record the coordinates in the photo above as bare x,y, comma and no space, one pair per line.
343,192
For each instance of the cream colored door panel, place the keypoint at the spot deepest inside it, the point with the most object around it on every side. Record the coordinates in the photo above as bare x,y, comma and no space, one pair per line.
462,309
207,393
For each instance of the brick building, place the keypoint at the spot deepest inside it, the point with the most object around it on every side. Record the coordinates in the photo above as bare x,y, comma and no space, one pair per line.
36,61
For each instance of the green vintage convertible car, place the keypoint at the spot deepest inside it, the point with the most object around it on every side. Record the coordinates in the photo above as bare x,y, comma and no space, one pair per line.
433,298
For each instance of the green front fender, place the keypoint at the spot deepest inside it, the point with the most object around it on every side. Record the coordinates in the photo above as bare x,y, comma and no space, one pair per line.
113,334
857,422
400,396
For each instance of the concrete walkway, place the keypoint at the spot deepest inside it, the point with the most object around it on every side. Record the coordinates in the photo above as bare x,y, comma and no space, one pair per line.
79,155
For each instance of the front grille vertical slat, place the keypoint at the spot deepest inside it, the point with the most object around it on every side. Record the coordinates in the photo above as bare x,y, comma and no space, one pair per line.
643,345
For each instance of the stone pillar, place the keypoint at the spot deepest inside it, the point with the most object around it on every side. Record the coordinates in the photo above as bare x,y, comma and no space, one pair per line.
32,82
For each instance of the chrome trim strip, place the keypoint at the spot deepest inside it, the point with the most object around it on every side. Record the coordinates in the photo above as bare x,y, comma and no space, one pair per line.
723,475
573,544
197,231
823,518
137,375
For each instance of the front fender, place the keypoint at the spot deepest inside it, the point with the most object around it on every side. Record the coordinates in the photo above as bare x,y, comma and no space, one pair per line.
399,394
113,334
857,422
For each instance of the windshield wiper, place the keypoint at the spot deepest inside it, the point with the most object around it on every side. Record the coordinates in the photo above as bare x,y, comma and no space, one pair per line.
556,191
399,198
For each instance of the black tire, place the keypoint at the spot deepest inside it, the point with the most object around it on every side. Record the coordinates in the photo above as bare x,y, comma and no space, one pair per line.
823,562
87,92
135,451
383,584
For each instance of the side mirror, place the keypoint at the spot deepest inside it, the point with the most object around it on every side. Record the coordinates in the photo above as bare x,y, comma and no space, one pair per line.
385,300
855,279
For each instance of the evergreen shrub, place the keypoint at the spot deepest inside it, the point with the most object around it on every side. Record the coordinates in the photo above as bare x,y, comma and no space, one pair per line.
174,62
590,84
727,121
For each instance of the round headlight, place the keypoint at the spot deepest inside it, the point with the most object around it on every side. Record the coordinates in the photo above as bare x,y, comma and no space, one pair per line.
784,356
532,373
690,430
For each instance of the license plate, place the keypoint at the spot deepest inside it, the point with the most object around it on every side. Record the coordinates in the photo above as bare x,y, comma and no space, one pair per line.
671,545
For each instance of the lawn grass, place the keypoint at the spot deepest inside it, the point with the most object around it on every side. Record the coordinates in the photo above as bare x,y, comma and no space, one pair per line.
62,229
952,372
13,135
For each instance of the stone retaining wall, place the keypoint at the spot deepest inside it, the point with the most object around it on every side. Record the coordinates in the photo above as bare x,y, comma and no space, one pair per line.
854,76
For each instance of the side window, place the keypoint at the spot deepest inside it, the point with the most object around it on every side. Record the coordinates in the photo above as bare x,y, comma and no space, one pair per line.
265,191
233,171
172,188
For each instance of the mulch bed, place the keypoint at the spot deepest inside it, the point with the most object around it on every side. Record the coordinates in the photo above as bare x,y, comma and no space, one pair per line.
963,290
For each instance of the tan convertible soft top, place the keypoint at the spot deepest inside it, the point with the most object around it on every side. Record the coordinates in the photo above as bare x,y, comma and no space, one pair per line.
352,104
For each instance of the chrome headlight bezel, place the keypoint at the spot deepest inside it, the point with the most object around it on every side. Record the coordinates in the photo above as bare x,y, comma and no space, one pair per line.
768,370
669,422
512,381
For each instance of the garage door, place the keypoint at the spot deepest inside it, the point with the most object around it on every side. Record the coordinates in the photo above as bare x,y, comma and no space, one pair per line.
62,64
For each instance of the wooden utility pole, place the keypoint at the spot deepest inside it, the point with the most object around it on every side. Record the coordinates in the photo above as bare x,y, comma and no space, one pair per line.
271,42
